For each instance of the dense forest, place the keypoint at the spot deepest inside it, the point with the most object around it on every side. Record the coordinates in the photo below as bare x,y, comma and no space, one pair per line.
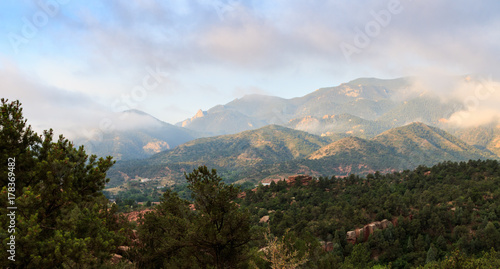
432,212
444,216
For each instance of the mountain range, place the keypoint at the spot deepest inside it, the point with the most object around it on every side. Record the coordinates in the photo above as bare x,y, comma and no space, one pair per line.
138,142
274,152
362,107
362,126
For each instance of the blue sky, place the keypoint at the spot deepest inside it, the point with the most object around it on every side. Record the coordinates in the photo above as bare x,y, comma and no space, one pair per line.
71,62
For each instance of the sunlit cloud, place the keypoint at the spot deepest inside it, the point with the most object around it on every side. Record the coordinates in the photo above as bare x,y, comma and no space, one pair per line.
92,54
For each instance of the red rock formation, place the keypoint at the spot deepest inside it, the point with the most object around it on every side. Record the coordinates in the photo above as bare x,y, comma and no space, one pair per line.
327,246
305,179
352,236
135,215
264,219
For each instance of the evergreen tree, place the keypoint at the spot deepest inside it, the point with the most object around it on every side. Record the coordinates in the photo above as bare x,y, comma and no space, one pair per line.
214,234
221,230
162,235
409,245
61,219
359,258
490,236
431,254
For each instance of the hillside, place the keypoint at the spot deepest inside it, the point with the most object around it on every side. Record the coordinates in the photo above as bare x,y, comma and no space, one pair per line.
482,137
365,107
362,98
136,142
351,145
342,123
394,150
243,155
449,210
423,144
272,143
425,108
275,151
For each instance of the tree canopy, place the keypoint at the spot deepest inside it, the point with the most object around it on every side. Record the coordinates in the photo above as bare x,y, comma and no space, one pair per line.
211,232
62,218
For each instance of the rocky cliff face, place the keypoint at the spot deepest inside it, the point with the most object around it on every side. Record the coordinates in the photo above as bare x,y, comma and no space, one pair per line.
364,233
199,114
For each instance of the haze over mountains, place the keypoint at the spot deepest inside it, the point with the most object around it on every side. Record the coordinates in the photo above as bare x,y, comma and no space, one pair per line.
362,107
274,152
362,126
138,142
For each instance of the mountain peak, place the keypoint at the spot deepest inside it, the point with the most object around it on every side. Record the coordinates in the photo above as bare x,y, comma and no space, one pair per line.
136,111
414,129
199,114
427,142
396,82
418,125
143,114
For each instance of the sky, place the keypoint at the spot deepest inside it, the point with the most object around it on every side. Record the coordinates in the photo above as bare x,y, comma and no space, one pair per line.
73,63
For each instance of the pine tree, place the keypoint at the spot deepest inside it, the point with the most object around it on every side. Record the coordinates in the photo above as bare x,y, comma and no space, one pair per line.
212,232
431,254
359,258
59,220
163,235
221,229
409,245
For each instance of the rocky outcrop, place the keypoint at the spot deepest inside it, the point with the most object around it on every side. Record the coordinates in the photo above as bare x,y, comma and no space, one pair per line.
136,215
199,114
303,179
155,146
115,259
327,246
364,233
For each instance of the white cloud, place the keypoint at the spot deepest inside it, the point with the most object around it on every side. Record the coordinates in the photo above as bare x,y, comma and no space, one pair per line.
480,97
66,112
92,54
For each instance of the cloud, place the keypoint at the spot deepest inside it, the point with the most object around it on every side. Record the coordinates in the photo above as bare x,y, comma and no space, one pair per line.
475,98
456,38
242,43
91,54
475,118
68,113
116,36
480,97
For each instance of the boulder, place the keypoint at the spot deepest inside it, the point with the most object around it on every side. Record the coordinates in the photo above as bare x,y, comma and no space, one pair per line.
123,249
351,235
115,259
328,246
385,224
371,228
364,233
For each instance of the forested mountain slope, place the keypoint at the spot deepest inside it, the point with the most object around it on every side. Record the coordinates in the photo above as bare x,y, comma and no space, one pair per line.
447,209
274,151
